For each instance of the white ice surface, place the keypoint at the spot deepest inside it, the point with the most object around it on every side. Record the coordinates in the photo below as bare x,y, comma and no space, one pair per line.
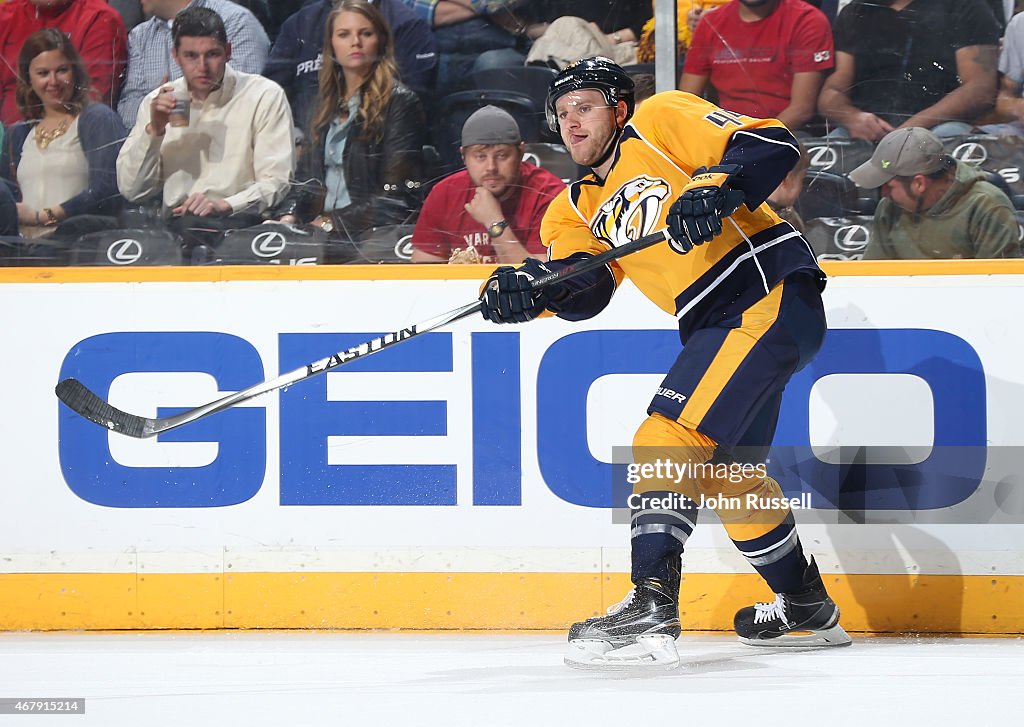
229,679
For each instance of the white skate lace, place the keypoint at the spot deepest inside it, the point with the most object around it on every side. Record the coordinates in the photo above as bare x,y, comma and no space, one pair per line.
771,610
621,604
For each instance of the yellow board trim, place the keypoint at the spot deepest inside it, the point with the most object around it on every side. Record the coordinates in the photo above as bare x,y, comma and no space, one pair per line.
869,603
218,273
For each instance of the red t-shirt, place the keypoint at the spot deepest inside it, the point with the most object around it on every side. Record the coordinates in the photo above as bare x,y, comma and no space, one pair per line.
444,224
751,65
96,30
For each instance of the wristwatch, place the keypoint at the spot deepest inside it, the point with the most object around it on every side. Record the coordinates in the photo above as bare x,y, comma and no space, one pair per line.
325,223
496,228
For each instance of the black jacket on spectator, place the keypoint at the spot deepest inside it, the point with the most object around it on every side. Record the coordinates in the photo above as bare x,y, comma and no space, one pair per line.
382,178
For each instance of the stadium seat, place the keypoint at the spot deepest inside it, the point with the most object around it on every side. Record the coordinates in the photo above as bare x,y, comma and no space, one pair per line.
531,80
274,243
839,238
128,246
838,156
387,244
842,156
432,170
826,195
457,107
635,68
1003,155
25,252
555,158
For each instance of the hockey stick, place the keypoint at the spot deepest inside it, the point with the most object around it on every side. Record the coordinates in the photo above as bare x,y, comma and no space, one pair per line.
84,402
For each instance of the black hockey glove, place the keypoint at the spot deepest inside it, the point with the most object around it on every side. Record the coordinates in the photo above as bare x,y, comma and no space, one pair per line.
696,217
507,296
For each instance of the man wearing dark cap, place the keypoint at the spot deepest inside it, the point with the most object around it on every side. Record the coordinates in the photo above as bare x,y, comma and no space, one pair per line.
932,205
490,211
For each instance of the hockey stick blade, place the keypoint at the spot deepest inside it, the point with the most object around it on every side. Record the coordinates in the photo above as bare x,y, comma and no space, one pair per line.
84,402
78,398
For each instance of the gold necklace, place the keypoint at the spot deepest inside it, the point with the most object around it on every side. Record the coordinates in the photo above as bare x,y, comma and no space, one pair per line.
44,137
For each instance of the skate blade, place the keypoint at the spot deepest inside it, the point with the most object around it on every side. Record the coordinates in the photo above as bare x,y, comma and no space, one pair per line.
650,652
835,636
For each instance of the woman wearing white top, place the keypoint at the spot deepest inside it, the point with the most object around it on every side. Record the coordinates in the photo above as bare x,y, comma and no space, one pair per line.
64,153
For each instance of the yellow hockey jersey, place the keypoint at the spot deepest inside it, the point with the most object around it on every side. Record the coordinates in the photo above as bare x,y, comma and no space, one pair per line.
671,135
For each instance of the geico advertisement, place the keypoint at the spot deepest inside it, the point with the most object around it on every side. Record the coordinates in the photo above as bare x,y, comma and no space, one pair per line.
474,433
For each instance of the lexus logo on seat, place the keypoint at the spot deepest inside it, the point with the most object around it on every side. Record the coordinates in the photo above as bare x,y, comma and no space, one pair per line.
124,251
403,248
971,153
851,238
268,244
822,157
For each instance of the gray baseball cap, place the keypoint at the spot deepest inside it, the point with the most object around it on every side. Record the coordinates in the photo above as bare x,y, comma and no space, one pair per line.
901,153
490,125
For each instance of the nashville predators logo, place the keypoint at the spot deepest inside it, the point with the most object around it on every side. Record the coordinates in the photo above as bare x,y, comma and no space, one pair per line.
632,212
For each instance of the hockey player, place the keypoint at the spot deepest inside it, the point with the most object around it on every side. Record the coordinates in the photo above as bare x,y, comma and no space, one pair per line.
747,292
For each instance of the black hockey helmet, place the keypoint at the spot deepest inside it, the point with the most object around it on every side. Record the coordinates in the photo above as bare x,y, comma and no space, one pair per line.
599,73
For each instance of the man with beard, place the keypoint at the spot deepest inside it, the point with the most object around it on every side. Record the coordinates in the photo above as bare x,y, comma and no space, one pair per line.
493,207
908,63
933,206
766,58
746,290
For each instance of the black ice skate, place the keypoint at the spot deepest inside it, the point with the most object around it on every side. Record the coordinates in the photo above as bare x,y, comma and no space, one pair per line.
807,617
638,632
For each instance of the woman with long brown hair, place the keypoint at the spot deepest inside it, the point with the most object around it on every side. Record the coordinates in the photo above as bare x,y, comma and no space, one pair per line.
63,155
361,164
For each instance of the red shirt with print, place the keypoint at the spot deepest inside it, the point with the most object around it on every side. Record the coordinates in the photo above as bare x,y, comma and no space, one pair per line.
444,224
751,65
96,30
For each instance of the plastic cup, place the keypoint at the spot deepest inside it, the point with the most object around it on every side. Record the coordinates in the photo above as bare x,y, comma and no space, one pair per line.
182,108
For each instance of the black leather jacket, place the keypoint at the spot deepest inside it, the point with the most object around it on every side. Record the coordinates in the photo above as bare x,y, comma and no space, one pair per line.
383,178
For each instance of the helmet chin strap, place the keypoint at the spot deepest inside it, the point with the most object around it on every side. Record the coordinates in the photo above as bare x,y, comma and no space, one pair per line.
608,149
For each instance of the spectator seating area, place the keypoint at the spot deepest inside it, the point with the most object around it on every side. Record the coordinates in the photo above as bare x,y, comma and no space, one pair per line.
837,214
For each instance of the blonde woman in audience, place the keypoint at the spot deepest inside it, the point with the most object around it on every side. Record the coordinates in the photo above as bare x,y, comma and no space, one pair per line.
362,165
